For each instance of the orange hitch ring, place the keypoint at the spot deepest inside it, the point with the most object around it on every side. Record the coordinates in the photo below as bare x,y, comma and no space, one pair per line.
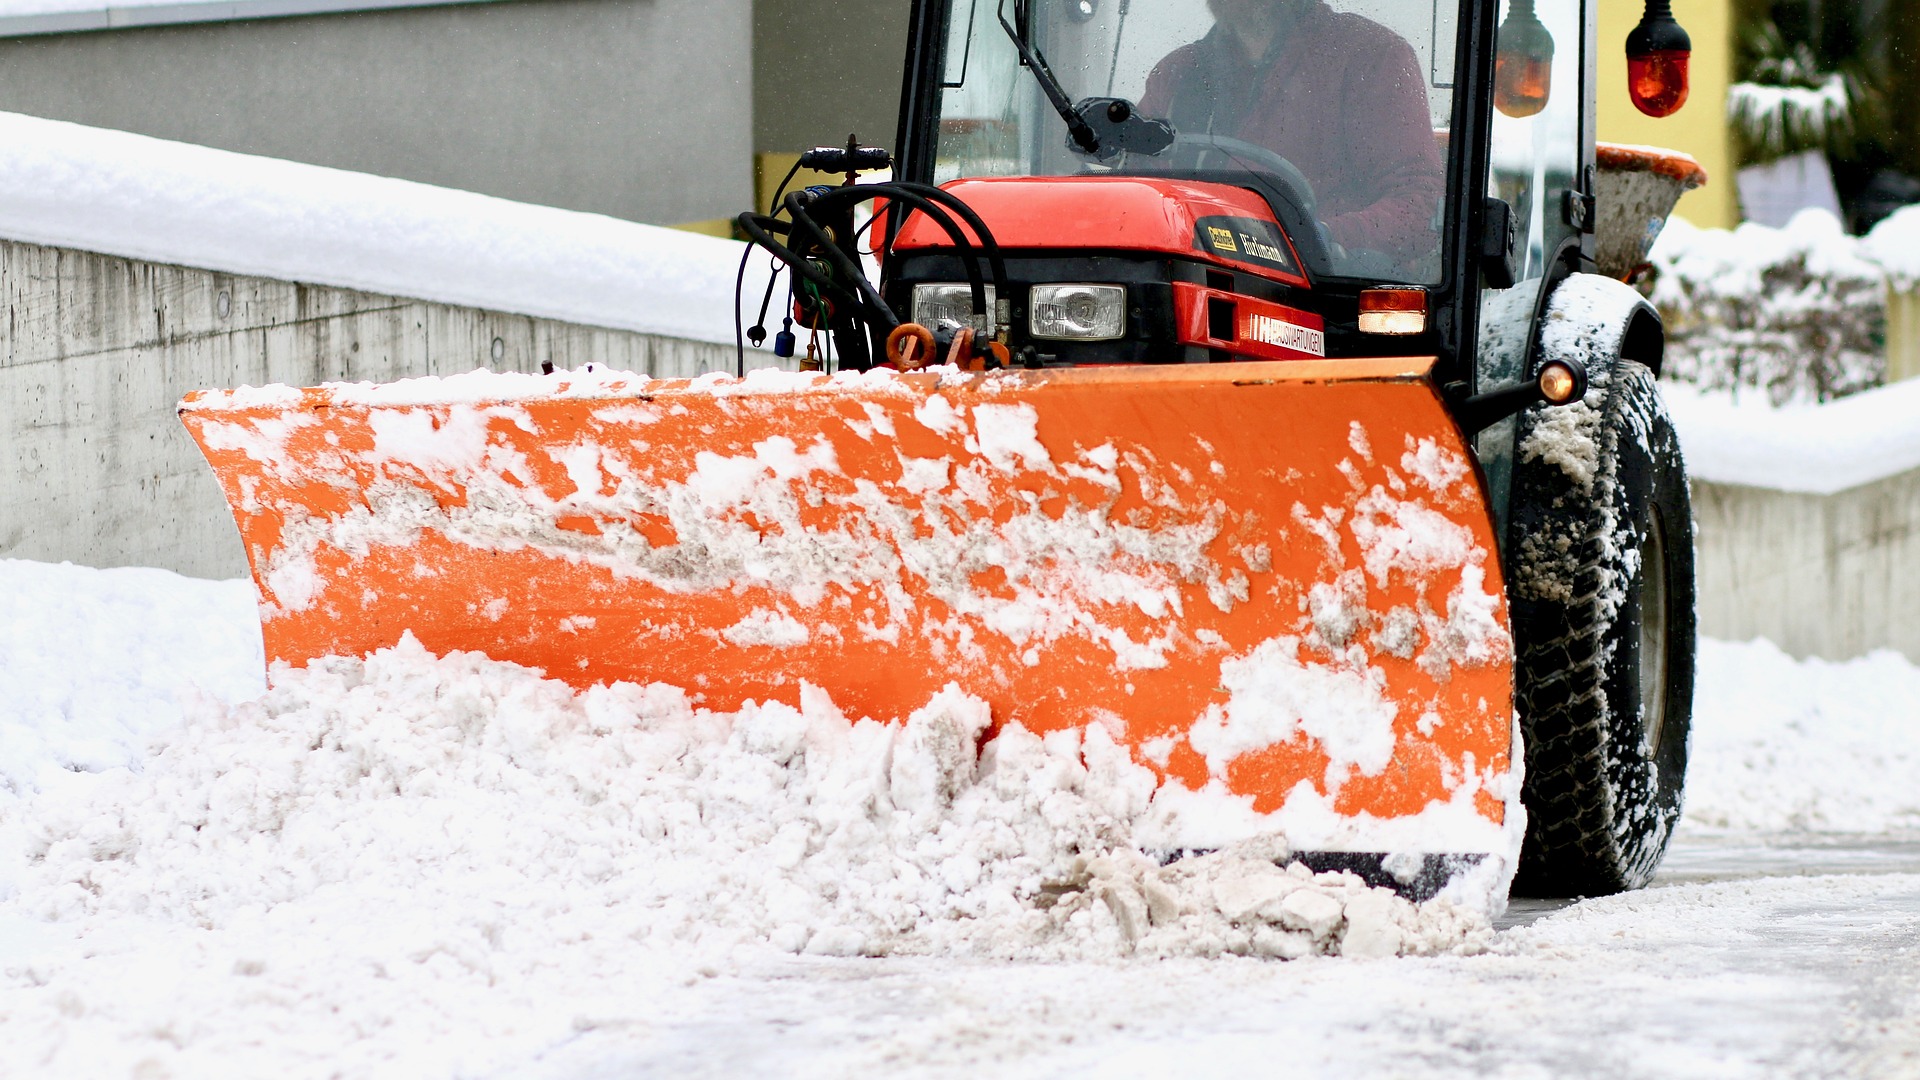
909,345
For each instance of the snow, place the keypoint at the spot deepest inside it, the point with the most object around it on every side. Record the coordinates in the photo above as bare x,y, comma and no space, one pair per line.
528,846
118,193
93,662
1895,245
1818,449
563,880
1795,314
1274,696
1813,745
1732,260
1772,378
1718,250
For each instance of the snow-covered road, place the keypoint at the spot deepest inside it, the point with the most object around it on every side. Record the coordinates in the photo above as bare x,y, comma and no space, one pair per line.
1781,939
1714,972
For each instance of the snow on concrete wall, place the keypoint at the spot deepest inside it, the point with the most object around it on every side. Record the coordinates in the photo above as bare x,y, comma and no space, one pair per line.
73,186
1808,519
135,269
1819,449
96,350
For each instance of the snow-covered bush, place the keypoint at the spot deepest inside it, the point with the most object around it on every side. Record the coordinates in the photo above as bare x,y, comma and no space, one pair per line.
1798,314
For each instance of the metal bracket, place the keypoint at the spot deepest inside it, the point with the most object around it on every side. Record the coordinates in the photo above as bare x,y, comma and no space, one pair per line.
1579,209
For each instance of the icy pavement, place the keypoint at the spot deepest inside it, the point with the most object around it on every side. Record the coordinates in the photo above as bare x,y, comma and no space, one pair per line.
1765,949
1763,977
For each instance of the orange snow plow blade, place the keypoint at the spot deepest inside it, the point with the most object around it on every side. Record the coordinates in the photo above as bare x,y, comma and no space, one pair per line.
1275,581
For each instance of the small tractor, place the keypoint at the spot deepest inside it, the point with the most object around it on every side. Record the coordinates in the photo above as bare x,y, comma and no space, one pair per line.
1251,385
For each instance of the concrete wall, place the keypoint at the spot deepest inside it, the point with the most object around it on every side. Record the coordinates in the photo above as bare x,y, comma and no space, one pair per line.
642,109
1820,575
95,351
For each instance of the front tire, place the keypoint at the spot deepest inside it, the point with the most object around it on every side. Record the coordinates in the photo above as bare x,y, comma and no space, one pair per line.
1601,543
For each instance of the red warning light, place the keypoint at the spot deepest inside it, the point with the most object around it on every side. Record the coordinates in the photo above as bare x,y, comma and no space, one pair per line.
1522,62
1657,54
1658,81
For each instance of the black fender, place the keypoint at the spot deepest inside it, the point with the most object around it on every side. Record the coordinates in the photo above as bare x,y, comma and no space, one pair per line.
1596,320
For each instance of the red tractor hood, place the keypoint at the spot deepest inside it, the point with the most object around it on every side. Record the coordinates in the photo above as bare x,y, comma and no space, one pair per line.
1211,222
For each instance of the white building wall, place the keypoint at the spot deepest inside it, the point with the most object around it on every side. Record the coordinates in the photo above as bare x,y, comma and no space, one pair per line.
640,109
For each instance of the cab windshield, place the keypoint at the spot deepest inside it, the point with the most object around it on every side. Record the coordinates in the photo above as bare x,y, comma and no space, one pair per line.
1335,110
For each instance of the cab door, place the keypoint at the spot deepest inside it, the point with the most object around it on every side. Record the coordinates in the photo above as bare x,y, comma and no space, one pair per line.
1538,165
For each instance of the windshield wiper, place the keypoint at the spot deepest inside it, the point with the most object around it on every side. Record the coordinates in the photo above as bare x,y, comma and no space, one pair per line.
1100,127
1078,129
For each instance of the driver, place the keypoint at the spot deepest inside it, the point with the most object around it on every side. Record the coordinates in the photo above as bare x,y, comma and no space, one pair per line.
1338,95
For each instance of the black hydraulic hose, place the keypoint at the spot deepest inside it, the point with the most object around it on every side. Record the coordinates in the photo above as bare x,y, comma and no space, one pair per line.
773,204
976,281
739,339
975,222
760,228
984,236
865,303
740,284
797,210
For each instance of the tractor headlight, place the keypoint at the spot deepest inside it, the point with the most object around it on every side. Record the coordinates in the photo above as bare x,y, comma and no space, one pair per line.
1078,312
948,302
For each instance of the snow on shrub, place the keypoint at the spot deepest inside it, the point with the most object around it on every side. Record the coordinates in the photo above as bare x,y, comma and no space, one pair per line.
1894,245
1798,314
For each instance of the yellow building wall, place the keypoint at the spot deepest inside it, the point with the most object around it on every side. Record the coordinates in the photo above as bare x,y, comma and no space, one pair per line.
1700,127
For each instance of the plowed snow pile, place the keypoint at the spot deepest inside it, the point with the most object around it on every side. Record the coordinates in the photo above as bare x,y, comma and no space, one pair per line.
1804,746
415,864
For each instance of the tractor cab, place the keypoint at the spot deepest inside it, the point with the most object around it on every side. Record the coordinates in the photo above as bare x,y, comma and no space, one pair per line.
1204,180
1335,119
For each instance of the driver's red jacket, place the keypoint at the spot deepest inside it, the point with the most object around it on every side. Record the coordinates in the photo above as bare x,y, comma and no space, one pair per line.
1339,96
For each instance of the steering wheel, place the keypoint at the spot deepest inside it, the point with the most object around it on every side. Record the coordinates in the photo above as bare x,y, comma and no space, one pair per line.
1194,151
1217,157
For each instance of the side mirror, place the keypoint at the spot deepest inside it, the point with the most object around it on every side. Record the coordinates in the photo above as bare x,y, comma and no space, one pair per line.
1497,244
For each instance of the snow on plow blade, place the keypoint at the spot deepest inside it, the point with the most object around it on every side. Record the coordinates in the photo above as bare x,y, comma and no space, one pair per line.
1275,584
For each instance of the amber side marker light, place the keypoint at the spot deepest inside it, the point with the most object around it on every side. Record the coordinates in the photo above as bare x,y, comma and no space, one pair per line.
1560,384
1657,54
1389,310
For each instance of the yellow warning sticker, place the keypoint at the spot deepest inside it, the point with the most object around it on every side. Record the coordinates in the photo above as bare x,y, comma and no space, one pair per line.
1222,239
